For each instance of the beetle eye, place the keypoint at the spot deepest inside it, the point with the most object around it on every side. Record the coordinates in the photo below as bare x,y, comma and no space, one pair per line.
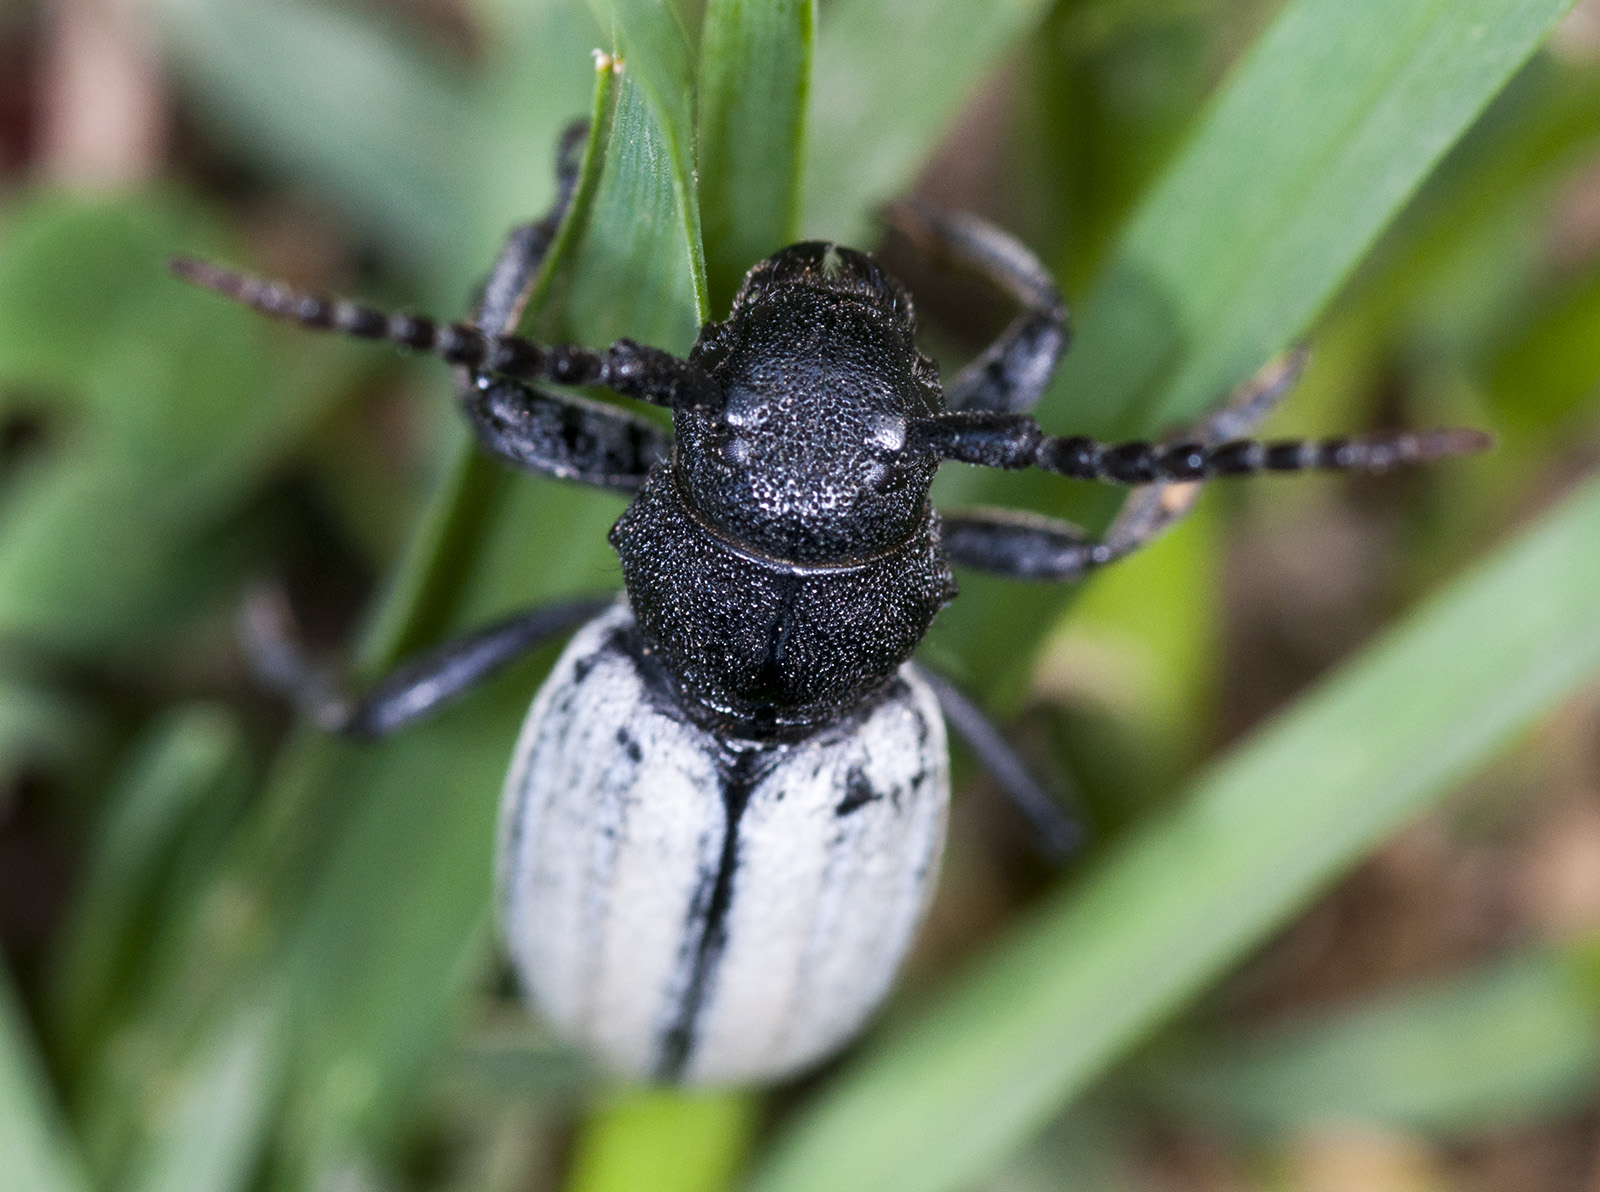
887,433
737,450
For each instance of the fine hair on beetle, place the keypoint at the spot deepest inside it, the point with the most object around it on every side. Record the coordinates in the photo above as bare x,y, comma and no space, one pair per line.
724,815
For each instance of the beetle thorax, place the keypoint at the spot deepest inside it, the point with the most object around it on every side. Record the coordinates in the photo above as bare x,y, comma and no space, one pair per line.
785,562
810,458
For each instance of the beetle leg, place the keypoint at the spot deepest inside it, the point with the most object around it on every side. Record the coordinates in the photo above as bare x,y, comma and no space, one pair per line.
1013,372
1057,832
565,437
1152,508
1249,404
569,438
1021,545
499,309
420,685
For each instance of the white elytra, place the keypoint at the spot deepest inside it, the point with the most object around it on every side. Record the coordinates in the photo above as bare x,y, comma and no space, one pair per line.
644,930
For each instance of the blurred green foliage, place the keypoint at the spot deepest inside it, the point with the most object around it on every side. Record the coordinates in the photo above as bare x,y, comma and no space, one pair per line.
1483,1049
278,971
160,419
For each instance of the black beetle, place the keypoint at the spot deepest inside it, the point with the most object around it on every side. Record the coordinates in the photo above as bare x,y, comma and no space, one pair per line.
727,807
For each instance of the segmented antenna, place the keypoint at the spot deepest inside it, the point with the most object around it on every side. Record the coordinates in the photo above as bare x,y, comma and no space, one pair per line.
631,369
1015,441
1143,463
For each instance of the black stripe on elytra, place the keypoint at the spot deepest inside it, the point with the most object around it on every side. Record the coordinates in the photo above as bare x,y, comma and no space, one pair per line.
707,922
561,716
858,793
628,745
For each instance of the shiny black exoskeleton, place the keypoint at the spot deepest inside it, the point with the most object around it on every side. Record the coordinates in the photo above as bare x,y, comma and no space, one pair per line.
787,559
781,554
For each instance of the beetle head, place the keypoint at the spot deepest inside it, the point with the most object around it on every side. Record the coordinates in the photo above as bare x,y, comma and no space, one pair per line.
810,458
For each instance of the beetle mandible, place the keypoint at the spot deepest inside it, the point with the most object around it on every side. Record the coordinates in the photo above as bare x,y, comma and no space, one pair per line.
727,805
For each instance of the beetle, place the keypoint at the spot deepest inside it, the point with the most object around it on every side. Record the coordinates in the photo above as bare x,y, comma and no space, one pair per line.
727,804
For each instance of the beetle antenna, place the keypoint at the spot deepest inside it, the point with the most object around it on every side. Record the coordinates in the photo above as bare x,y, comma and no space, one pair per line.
1141,463
631,369
1015,441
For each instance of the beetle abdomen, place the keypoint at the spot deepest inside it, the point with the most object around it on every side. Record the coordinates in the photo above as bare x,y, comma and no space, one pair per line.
706,911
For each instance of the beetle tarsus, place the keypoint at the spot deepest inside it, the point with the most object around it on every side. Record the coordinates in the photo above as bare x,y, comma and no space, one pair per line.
1023,546
1012,374
419,686
270,640
506,291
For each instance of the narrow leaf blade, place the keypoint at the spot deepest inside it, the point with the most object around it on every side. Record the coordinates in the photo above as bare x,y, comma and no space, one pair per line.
1311,149
656,57
664,1141
890,75
219,1111
1315,143
39,1154
630,276
1511,1041
755,72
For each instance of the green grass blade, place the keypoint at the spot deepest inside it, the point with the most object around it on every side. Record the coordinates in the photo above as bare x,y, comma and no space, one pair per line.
629,277
664,1141
215,1115
656,57
1322,133
393,923
755,75
176,769
426,589
1510,1042
393,928
889,77
39,1155
630,280
935,1104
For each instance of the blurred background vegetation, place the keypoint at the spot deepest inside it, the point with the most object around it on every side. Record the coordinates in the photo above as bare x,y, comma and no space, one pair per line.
1338,739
